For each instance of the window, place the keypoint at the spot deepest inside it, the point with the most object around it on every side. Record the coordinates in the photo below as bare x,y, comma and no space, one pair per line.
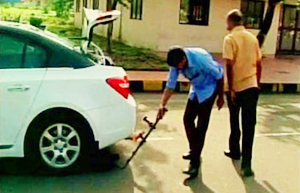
11,52
136,9
35,57
253,11
194,12
15,53
95,4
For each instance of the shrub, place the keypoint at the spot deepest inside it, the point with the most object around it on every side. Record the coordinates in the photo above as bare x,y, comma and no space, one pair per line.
35,21
46,11
7,5
62,7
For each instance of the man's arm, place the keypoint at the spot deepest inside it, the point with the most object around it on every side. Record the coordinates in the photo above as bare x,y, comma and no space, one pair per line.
258,64
168,92
220,89
229,70
259,69
229,74
166,96
229,55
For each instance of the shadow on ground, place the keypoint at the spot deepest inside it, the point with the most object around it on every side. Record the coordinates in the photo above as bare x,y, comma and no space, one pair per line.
196,184
15,177
252,185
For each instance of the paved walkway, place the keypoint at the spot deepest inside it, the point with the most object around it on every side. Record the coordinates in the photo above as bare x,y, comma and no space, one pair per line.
284,70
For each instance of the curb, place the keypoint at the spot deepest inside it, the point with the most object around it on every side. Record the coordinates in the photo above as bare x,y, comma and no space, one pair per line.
183,87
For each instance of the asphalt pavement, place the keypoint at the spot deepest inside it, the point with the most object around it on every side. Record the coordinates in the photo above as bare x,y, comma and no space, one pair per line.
157,166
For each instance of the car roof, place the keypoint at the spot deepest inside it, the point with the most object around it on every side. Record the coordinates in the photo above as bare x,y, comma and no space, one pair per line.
29,30
57,45
17,25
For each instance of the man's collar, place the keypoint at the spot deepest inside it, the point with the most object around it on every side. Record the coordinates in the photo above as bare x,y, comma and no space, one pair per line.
238,28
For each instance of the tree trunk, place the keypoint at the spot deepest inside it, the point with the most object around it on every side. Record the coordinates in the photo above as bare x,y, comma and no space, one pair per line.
109,37
267,21
109,30
111,5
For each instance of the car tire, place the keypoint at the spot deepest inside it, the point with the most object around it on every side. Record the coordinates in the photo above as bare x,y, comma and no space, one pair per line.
58,144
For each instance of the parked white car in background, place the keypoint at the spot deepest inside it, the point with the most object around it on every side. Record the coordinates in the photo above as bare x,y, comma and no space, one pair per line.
56,103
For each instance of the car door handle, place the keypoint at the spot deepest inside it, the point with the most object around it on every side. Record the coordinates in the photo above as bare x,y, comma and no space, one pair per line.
18,88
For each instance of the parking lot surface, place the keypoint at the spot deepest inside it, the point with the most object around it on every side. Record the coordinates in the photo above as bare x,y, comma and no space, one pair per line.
157,166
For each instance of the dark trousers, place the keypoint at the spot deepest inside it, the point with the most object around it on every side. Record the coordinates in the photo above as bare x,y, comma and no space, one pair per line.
196,134
247,102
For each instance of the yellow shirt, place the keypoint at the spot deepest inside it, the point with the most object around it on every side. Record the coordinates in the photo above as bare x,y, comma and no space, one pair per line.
242,48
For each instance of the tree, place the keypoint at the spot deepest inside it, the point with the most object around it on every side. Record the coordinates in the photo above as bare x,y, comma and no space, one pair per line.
62,7
112,5
267,21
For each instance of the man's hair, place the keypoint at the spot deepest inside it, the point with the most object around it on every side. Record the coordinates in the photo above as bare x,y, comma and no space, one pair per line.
236,16
175,55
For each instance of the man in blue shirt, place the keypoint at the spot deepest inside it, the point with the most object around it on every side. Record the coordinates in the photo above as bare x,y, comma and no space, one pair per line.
206,76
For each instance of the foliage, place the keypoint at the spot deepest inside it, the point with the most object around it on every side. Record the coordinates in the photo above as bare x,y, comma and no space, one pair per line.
23,15
62,7
35,21
6,5
46,11
128,57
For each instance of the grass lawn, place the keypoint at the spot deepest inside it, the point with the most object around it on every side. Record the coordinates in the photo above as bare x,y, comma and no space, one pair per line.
49,18
130,58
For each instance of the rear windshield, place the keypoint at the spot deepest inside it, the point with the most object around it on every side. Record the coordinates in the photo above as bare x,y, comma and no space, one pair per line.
63,41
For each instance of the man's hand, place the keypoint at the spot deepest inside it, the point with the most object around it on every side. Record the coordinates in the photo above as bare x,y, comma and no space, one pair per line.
220,102
232,96
161,113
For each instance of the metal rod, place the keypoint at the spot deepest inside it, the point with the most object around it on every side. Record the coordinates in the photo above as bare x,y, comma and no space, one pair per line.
152,127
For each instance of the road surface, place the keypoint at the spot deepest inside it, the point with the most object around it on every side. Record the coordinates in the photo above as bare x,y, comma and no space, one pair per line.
157,167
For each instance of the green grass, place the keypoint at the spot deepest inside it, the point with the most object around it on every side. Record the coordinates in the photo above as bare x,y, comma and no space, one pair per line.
128,57
49,19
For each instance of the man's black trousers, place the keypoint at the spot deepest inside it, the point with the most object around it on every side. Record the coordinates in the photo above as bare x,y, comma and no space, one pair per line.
196,134
247,102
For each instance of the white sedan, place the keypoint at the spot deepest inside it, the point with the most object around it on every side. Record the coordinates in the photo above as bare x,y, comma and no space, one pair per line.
57,105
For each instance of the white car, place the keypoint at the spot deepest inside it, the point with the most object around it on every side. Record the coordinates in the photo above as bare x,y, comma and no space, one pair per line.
57,104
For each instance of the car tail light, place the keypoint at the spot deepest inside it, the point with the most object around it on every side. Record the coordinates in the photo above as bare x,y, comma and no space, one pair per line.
104,17
121,85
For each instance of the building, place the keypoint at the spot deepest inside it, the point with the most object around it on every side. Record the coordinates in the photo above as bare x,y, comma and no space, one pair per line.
159,24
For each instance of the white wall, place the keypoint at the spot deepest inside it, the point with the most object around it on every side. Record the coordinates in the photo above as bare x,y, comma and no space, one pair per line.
159,28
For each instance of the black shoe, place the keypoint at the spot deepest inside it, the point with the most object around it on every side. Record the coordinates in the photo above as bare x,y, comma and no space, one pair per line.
231,155
192,171
247,172
187,156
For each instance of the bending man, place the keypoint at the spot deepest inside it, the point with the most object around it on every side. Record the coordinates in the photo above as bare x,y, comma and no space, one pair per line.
206,77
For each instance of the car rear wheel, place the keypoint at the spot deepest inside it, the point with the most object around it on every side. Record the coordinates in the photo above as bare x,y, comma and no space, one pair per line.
58,145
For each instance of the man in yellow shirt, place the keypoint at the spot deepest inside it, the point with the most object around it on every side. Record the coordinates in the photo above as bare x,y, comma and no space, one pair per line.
243,65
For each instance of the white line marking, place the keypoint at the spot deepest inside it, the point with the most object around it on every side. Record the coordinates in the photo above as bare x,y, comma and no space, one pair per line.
257,135
160,139
276,134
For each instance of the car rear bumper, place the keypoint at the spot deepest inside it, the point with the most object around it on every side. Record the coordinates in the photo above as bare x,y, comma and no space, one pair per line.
114,123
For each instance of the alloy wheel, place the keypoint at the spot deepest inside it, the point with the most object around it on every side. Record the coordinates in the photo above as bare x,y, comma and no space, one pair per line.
60,145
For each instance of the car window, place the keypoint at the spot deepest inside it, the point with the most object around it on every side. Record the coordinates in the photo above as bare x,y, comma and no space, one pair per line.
11,52
35,57
15,53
